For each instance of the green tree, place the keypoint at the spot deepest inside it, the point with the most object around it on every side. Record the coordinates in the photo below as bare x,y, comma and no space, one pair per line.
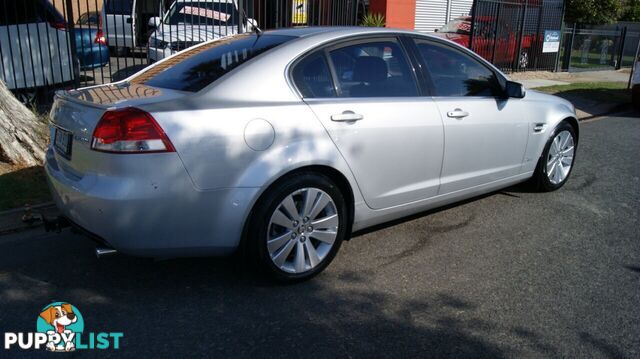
593,11
631,11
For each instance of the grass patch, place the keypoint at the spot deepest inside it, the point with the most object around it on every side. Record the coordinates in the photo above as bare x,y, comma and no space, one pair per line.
23,186
611,92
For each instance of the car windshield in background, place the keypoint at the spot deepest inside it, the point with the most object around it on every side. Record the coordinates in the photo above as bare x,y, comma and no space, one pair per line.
89,18
203,13
457,27
194,69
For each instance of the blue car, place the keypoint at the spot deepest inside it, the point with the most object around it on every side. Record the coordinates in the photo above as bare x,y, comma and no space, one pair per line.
91,44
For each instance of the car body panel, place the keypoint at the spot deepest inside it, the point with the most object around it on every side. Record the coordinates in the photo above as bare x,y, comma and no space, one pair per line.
237,136
485,146
388,128
90,54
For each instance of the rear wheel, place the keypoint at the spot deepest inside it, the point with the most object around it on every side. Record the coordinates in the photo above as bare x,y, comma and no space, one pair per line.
556,163
298,227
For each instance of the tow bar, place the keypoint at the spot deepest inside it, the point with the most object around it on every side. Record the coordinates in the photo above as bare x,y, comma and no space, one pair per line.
56,224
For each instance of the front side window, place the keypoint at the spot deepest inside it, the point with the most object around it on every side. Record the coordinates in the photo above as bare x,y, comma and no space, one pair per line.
312,77
200,66
454,73
373,69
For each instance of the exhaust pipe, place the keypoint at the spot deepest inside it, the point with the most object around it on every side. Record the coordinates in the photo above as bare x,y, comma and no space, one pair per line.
105,252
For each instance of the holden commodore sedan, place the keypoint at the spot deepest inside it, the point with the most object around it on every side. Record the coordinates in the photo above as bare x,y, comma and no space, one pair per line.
284,142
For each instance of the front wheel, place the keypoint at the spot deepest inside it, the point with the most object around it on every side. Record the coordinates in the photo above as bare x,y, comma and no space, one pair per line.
298,226
556,162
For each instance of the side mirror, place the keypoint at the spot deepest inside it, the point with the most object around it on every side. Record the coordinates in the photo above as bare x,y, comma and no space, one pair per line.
154,21
515,90
251,24
436,30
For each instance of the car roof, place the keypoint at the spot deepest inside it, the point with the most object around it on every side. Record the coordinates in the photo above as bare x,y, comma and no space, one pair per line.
331,31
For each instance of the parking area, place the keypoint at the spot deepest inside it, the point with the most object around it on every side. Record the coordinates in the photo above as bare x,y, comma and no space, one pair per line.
510,274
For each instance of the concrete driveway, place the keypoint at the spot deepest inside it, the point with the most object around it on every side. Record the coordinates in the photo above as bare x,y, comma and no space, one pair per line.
510,274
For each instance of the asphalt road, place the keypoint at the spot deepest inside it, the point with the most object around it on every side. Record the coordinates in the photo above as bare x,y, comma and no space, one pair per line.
510,274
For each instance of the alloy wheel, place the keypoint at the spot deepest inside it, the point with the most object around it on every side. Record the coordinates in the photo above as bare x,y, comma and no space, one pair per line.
302,230
560,158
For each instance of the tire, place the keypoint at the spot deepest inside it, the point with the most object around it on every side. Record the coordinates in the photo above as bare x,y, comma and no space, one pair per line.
635,96
551,172
278,248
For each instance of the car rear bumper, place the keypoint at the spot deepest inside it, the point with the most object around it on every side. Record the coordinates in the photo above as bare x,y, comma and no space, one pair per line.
135,218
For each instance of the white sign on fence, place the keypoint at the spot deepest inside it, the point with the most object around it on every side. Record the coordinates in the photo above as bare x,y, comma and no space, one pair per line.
551,41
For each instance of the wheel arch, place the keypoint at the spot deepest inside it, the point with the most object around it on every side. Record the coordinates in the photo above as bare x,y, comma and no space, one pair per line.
334,174
574,123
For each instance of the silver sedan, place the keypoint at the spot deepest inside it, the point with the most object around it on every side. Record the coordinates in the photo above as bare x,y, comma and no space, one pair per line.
284,142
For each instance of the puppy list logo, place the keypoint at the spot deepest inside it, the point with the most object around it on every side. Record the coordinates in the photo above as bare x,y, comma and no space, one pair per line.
60,328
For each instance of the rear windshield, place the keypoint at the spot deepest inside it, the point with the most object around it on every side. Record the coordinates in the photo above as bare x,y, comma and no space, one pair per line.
194,69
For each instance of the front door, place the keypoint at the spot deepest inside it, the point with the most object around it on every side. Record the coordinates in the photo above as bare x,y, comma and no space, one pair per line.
485,133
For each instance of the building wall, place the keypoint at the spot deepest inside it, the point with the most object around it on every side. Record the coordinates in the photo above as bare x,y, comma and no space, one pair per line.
79,7
397,13
433,14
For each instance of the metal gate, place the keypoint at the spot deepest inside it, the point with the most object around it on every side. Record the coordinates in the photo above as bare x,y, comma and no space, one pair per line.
518,35
52,44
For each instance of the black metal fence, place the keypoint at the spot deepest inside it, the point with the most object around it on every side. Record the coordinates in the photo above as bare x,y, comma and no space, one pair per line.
51,44
604,47
518,35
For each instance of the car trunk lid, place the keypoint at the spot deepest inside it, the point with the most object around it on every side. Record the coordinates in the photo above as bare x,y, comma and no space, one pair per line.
76,113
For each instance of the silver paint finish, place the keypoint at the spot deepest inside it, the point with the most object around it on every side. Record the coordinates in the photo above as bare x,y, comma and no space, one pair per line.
401,156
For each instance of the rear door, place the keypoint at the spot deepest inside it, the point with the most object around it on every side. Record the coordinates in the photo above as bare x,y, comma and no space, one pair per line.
485,133
366,95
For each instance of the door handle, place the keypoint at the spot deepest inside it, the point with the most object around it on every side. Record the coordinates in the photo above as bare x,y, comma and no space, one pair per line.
457,113
129,20
347,116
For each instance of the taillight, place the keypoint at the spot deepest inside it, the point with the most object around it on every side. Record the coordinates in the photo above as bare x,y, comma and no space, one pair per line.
58,25
129,130
100,39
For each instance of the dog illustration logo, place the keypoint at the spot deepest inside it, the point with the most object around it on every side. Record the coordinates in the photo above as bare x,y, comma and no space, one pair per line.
61,322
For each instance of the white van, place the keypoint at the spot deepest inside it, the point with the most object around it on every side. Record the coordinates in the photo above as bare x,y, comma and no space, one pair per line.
34,46
126,22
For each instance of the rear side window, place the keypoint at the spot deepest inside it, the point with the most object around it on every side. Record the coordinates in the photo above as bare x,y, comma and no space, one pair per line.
118,7
313,78
373,69
195,69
